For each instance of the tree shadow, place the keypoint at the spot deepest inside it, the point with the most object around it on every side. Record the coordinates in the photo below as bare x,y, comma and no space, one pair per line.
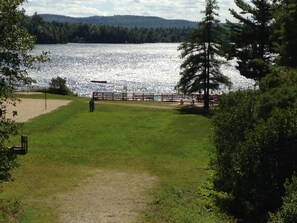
192,109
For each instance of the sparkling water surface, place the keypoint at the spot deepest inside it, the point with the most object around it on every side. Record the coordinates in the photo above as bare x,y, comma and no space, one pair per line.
152,68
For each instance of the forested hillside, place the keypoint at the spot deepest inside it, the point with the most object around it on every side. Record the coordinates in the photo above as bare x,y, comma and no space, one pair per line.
64,32
123,21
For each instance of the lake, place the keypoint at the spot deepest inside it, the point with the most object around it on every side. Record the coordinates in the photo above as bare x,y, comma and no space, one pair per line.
152,68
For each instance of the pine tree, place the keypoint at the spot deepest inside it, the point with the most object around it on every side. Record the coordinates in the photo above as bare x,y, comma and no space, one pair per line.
251,38
286,32
200,70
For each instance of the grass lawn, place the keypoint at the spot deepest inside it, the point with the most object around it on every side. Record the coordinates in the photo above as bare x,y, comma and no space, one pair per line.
64,145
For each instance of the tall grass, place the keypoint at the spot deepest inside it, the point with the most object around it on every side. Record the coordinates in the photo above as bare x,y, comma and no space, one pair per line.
64,145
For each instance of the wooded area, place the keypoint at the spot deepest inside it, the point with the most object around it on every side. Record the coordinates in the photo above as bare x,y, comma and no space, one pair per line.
64,32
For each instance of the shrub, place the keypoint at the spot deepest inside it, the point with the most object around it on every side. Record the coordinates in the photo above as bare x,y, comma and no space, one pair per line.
255,147
7,162
288,211
58,86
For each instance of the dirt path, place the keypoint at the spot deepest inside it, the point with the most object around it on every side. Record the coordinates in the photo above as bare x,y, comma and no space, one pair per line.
31,108
170,106
107,197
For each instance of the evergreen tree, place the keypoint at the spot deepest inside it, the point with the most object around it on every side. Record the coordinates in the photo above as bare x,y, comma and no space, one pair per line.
201,67
251,37
15,44
286,32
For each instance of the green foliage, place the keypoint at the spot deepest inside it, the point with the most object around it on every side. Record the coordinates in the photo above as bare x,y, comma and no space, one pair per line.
58,86
285,31
279,76
58,32
255,137
7,162
200,70
251,38
122,21
288,211
15,45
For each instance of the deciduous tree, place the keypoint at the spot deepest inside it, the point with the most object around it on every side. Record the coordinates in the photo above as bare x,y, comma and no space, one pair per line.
15,45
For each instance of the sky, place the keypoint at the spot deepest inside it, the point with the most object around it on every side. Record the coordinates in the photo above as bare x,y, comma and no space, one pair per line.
168,9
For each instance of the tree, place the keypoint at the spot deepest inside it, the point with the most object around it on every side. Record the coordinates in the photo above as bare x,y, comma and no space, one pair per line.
286,31
255,136
58,86
15,45
250,38
201,67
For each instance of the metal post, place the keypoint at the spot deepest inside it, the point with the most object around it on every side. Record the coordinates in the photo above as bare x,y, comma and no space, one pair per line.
24,142
45,100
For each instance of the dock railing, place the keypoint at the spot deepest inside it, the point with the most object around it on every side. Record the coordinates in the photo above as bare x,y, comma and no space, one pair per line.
169,97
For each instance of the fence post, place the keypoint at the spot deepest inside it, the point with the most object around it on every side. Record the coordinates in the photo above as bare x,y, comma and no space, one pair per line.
24,142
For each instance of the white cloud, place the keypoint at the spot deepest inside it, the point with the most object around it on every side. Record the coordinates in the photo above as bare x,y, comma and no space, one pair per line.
169,9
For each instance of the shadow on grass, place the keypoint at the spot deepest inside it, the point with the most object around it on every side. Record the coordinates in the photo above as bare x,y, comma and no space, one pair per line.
192,109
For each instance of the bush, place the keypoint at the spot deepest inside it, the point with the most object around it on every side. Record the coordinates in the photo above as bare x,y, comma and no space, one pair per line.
280,76
256,147
7,163
58,86
288,211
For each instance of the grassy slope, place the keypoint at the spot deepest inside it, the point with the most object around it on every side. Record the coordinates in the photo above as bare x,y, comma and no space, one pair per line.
64,144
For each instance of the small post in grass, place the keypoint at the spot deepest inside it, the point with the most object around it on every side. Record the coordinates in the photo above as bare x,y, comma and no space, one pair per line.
45,100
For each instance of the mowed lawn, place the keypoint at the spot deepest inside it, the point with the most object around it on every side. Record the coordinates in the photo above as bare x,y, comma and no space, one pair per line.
65,145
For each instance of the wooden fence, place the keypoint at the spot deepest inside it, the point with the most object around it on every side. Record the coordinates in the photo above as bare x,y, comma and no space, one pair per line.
124,96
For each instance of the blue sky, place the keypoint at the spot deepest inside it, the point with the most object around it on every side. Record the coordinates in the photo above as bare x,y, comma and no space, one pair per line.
169,9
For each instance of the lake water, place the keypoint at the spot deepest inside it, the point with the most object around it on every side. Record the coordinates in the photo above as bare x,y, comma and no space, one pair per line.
152,68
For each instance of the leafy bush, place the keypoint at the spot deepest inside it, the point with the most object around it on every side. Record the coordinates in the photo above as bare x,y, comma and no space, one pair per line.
280,76
255,147
58,86
288,211
7,162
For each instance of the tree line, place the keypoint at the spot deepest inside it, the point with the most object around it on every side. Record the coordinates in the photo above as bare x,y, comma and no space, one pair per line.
123,21
64,32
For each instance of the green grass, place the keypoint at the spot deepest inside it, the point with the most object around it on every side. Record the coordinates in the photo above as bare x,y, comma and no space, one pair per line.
64,145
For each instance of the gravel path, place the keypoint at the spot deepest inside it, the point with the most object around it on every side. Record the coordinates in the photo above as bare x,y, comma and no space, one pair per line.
106,197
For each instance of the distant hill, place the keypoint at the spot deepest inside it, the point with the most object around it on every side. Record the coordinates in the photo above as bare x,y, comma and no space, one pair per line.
123,21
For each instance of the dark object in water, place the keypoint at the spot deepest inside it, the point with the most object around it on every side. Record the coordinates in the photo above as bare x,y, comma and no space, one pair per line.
99,82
